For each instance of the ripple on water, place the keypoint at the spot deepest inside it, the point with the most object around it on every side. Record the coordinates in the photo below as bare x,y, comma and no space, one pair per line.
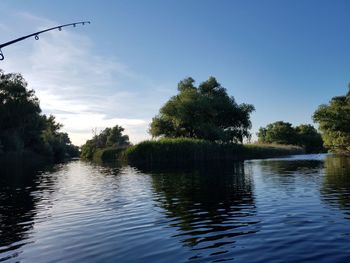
281,210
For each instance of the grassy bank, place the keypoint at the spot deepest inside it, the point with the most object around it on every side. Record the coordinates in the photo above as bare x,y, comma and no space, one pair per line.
184,151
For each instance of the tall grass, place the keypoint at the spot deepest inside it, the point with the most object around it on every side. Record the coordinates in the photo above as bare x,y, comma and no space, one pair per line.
183,151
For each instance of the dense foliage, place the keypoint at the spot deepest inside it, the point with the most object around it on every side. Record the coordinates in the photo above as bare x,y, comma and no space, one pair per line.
22,126
109,140
334,121
203,112
304,135
184,151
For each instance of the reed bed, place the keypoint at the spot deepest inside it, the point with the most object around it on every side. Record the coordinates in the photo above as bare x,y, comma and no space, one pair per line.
184,151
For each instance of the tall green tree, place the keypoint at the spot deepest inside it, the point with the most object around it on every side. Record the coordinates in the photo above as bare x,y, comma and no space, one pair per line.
23,127
20,120
203,112
116,138
334,122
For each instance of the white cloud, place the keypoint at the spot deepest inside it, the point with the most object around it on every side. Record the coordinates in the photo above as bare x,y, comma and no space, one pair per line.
81,88
80,126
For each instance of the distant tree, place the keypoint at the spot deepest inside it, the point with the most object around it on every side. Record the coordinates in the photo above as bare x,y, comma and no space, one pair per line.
203,112
279,132
334,122
109,137
304,135
115,137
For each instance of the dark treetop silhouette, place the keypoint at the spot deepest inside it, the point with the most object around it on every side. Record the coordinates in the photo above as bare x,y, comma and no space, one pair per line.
36,35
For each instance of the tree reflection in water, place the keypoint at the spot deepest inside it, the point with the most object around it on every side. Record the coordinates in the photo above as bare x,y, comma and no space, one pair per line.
210,206
336,185
289,175
19,181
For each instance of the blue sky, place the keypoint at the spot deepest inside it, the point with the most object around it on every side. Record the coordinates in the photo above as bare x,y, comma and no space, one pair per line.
284,57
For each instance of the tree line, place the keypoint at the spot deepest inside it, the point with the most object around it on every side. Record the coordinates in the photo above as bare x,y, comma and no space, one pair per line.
205,112
208,112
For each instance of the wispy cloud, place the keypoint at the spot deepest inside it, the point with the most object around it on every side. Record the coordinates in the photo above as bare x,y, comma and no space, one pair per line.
83,89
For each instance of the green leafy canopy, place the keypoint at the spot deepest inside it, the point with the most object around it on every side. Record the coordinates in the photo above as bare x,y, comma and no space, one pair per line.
203,112
280,132
334,121
23,127
108,138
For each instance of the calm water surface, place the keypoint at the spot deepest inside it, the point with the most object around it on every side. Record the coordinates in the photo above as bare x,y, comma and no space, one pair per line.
295,209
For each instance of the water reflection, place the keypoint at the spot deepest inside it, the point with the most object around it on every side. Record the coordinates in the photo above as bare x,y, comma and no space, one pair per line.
18,181
290,167
290,175
285,172
336,187
259,211
210,207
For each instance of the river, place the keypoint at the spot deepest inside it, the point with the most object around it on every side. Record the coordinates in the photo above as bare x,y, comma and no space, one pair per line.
294,209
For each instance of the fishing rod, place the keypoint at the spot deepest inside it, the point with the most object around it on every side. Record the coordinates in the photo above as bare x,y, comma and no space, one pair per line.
36,35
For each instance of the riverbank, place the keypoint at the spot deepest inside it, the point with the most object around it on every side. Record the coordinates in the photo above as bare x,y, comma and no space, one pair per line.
13,164
24,155
22,160
184,151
